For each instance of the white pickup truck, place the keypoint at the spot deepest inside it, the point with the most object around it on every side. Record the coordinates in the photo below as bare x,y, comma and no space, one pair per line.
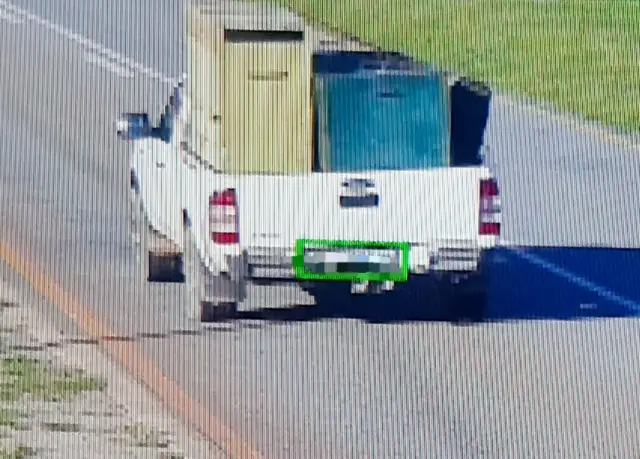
219,232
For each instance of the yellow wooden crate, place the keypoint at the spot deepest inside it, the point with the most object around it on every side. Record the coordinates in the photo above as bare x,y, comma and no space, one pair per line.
267,107
250,84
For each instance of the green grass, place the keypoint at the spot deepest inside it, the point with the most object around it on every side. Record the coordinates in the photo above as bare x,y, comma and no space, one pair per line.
21,452
582,56
12,418
19,376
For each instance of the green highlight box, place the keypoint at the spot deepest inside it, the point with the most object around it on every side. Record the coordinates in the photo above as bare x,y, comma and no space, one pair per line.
302,273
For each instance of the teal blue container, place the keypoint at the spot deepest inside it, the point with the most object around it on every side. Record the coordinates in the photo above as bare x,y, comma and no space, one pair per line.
374,119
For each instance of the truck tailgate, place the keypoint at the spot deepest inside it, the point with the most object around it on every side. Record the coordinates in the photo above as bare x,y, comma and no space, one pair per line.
403,206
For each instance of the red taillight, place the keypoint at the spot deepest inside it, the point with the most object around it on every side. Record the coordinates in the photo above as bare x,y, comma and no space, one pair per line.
489,208
223,217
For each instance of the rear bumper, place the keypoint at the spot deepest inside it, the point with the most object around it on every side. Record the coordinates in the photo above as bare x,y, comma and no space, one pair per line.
270,263
458,259
276,263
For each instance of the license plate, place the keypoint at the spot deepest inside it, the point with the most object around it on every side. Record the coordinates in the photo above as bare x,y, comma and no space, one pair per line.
329,259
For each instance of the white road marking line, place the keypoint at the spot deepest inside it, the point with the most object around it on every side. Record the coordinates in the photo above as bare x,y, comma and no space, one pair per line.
90,44
111,66
573,278
10,17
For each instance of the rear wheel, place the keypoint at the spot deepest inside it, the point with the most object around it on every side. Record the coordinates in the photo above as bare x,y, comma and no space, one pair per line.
465,296
211,297
219,308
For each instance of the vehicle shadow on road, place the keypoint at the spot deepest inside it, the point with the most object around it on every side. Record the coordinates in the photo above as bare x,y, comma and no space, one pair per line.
546,283
403,304
564,283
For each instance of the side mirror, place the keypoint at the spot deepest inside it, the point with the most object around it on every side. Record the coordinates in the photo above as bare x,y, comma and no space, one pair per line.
131,126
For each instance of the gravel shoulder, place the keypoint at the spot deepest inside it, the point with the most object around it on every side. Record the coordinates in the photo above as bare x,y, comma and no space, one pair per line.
61,398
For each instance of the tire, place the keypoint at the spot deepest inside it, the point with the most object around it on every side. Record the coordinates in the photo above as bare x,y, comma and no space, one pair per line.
466,301
211,298
164,268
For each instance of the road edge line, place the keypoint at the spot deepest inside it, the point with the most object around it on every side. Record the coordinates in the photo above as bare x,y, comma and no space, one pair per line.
129,356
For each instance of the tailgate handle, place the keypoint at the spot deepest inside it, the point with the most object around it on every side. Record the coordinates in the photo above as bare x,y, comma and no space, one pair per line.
359,193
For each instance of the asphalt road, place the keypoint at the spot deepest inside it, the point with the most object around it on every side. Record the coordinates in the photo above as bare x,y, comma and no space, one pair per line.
385,380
